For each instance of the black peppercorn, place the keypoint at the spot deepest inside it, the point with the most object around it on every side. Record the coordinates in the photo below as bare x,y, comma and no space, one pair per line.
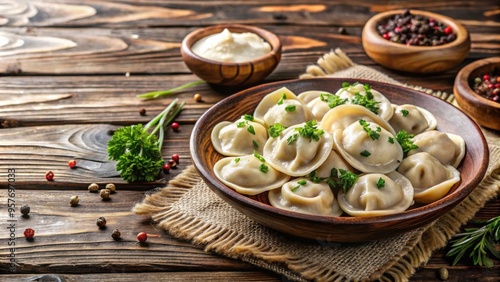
116,234
25,210
101,222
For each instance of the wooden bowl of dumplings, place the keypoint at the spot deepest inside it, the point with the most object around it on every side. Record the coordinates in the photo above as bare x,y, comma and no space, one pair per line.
251,179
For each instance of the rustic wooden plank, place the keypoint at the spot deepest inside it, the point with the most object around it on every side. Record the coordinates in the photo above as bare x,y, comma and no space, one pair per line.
156,50
209,276
67,236
32,151
193,13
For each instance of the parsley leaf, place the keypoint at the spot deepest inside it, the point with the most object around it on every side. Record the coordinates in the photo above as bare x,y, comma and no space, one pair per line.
282,99
264,168
404,139
405,113
346,179
366,127
310,130
258,156
138,151
237,160
301,182
380,183
251,129
248,117
276,129
366,100
290,108
365,153
255,144
332,100
292,138
390,140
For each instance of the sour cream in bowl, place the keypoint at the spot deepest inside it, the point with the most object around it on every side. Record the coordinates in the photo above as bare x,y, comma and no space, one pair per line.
231,54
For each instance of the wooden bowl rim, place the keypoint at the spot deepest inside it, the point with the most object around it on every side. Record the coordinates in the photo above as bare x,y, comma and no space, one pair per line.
449,200
462,82
268,36
371,25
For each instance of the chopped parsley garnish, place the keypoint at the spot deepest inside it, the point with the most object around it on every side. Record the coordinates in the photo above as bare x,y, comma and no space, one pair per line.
365,153
310,130
276,129
282,99
380,183
404,139
258,156
241,124
251,129
366,127
292,138
405,113
347,84
390,140
237,160
290,108
255,144
264,168
300,182
332,100
367,101
313,177
346,178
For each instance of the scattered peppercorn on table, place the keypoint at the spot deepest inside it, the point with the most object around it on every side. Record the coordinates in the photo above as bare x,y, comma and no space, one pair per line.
70,73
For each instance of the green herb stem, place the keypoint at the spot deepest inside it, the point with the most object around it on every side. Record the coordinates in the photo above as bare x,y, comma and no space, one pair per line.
160,93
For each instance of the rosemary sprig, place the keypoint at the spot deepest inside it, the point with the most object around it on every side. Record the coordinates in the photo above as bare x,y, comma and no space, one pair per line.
478,242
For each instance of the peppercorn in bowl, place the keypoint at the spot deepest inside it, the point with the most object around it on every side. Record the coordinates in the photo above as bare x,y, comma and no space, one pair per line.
477,91
231,54
415,41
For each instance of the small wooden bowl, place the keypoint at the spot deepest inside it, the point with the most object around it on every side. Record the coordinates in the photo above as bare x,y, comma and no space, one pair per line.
234,74
484,111
339,229
415,59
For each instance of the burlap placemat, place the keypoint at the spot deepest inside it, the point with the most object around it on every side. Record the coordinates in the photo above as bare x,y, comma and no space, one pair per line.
190,211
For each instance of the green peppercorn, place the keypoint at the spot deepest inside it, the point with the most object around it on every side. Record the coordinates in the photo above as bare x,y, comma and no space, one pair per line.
111,187
101,222
94,187
73,200
443,273
105,194
25,210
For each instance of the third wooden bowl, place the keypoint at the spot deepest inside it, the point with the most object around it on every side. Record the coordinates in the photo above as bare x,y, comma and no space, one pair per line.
344,228
484,111
415,59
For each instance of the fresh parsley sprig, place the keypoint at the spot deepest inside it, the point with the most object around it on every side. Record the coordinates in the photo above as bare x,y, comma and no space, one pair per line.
137,150
404,139
478,242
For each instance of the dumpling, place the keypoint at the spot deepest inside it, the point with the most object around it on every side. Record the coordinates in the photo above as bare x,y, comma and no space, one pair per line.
344,115
282,106
320,102
364,95
304,196
239,138
431,180
299,149
368,147
448,148
376,194
412,118
249,175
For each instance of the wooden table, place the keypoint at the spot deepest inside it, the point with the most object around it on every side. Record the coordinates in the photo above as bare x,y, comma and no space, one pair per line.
70,71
